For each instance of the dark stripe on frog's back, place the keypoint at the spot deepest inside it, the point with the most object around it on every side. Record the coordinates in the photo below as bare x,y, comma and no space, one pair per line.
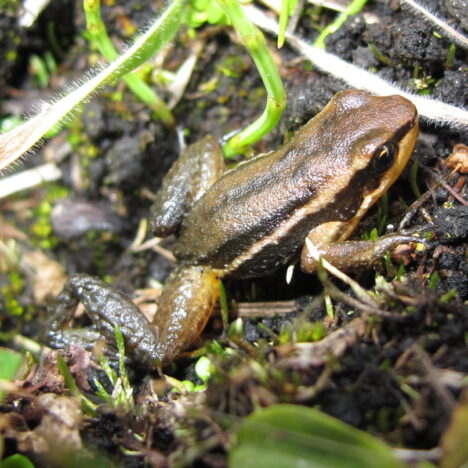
273,255
236,212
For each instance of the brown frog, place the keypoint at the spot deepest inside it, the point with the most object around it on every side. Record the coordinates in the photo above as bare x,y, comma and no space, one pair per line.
251,220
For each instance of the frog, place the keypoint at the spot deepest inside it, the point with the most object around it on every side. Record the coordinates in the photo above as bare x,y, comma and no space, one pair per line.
252,220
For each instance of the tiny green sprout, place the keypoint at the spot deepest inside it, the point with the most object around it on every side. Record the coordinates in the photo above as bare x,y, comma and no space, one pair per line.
400,272
450,56
329,306
448,296
382,213
236,328
163,77
39,70
12,306
12,366
414,179
205,11
428,235
389,268
261,372
42,227
310,332
224,305
410,391
285,335
321,272
16,282
374,234
122,394
216,348
204,369
433,280
189,387
379,55
386,365
424,85
88,406
11,55
127,388
9,123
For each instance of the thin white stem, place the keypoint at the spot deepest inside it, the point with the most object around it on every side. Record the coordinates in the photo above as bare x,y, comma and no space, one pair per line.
30,10
28,179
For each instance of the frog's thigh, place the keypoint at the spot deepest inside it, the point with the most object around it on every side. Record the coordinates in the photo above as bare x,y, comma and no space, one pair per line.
348,255
192,174
189,297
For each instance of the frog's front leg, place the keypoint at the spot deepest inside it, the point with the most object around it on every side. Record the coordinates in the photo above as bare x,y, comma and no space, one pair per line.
189,296
355,255
107,308
196,169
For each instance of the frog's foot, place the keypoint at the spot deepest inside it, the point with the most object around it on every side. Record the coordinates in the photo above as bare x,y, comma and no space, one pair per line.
355,255
188,299
106,308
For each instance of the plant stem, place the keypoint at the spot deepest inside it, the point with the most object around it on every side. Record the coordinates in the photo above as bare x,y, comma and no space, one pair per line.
254,41
354,7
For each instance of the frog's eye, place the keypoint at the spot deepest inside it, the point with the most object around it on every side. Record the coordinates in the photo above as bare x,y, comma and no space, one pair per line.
383,157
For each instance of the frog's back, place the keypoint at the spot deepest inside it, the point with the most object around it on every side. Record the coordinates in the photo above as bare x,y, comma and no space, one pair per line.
255,218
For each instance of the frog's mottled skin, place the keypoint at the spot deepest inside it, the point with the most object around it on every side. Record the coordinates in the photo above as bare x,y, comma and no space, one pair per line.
255,218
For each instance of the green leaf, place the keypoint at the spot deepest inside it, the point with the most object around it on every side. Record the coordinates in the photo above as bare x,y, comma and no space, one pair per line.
16,461
296,436
10,363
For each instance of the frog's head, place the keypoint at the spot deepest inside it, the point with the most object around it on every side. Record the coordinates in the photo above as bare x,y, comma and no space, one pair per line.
367,141
381,132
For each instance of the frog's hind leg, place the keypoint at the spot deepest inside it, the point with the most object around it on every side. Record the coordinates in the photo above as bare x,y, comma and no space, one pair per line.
107,308
188,299
188,179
